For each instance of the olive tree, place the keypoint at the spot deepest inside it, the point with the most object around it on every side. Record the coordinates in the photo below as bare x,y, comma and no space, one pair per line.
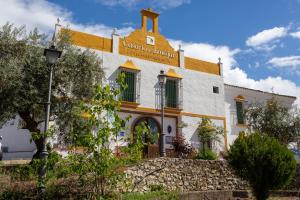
24,78
274,120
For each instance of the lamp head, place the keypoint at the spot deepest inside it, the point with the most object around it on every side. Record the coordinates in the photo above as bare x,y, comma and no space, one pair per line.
52,55
162,77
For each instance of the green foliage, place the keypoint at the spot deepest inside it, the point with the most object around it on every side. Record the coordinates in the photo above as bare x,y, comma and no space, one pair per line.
274,120
263,161
95,134
206,154
11,195
156,188
28,172
135,143
24,79
208,133
162,195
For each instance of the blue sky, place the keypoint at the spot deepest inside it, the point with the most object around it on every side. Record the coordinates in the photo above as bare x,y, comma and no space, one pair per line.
258,40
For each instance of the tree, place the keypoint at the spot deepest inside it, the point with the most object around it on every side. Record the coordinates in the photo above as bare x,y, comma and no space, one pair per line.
98,134
208,132
275,120
263,161
24,78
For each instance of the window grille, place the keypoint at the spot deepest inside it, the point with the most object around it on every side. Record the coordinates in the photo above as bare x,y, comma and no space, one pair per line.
138,87
171,93
240,112
128,94
180,96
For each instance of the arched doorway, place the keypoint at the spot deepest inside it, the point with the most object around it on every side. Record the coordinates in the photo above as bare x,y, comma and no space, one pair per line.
151,150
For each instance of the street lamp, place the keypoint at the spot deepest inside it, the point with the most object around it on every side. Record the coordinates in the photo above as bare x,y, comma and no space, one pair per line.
52,55
162,81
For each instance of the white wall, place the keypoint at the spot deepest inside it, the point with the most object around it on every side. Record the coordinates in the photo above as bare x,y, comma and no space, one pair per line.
17,140
251,96
198,96
167,121
191,135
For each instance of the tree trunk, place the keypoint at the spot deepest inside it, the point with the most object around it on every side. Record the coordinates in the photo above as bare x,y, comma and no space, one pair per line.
32,126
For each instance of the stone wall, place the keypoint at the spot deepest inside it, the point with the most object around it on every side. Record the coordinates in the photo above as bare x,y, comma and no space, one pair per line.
184,175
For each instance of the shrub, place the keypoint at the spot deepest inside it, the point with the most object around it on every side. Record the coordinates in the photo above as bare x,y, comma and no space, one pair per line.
206,154
208,132
263,161
181,147
156,188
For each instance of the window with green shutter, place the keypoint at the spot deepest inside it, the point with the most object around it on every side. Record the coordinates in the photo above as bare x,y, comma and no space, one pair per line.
240,112
128,94
171,93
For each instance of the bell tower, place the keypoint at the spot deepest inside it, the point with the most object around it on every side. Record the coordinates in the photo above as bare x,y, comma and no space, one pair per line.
149,14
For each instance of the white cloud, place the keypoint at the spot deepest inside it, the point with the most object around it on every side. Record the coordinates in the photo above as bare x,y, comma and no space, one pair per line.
43,14
123,3
157,4
288,61
295,34
167,4
235,75
266,39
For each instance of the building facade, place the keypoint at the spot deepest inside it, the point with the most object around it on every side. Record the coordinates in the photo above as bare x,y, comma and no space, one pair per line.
194,88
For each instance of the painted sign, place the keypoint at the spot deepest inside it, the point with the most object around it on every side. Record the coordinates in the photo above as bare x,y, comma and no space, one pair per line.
148,46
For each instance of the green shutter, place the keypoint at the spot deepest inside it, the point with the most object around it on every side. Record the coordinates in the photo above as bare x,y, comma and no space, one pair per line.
171,93
240,112
129,93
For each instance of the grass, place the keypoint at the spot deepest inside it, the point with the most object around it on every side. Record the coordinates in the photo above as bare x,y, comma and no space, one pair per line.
155,195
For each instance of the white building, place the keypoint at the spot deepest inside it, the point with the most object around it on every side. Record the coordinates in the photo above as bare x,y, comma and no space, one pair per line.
194,88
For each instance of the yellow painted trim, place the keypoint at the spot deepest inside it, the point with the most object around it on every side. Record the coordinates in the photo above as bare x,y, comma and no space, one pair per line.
172,73
130,65
239,98
128,104
201,66
170,112
225,134
201,115
88,40
105,44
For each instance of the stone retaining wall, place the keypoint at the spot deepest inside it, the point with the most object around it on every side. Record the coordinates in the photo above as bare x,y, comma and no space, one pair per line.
185,175
216,195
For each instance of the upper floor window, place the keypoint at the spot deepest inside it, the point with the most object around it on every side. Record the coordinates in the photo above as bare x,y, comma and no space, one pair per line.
240,112
171,93
173,89
128,94
132,81
239,101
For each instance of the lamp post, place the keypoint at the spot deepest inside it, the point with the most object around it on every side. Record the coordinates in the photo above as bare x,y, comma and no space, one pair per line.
162,81
52,55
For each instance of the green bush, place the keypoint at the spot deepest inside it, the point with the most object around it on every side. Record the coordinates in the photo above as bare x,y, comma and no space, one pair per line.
156,188
263,161
206,154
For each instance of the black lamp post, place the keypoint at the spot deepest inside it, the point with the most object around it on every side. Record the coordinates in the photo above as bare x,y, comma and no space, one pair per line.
162,81
52,55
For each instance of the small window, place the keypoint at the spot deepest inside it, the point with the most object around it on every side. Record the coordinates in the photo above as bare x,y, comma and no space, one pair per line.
240,112
216,89
129,93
